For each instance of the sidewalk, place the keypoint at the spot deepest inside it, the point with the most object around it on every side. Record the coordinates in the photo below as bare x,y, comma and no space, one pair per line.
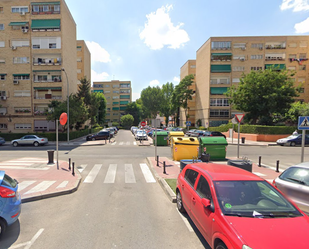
172,169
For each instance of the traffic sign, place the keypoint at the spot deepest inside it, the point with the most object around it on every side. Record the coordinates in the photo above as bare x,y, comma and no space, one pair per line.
239,117
188,123
143,123
63,118
303,123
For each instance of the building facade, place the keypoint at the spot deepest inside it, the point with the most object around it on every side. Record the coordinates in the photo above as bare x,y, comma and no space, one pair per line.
38,62
221,61
118,94
83,61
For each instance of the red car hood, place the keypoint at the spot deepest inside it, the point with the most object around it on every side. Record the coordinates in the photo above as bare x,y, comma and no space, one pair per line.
270,233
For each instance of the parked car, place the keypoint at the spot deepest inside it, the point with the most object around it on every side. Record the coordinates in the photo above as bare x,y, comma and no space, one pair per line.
104,134
141,135
150,134
234,208
213,134
30,140
294,182
293,140
189,132
2,140
197,133
111,131
114,129
10,201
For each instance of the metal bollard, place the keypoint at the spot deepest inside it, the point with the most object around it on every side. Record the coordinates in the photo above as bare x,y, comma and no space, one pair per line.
157,160
260,159
73,173
105,140
277,167
164,172
69,163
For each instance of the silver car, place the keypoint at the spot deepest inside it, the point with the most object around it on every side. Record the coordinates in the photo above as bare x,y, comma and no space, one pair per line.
294,182
30,140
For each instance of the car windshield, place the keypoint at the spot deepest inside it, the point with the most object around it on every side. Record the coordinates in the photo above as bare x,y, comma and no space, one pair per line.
254,199
296,175
292,137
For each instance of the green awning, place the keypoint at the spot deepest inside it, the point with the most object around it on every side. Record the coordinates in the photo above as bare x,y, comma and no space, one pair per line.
46,24
79,46
47,88
3,74
18,23
115,103
124,102
221,54
122,108
98,91
218,90
220,68
46,71
46,3
124,96
275,66
115,108
21,74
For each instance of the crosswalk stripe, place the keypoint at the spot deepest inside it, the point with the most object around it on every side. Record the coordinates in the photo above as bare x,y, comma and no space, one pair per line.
128,143
63,184
134,143
81,167
129,174
93,173
111,174
121,143
24,184
40,187
147,173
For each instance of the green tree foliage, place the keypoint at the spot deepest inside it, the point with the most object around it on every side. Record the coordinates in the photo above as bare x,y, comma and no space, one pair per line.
135,110
297,109
182,94
151,98
167,108
97,108
84,90
262,93
127,120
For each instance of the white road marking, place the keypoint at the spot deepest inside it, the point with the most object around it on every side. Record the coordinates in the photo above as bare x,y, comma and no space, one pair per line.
29,243
129,174
128,143
121,143
111,174
147,173
186,222
24,184
93,173
81,167
113,143
258,174
40,187
134,143
63,184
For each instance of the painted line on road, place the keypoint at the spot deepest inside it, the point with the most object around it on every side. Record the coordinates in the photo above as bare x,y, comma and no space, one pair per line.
24,184
40,187
128,143
81,167
93,173
121,143
129,174
186,222
111,174
28,244
147,173
63,184
134,143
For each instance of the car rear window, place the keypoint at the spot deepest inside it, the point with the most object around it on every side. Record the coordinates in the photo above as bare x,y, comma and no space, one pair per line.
8,181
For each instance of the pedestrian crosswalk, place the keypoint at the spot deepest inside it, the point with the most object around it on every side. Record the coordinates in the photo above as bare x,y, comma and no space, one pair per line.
124,143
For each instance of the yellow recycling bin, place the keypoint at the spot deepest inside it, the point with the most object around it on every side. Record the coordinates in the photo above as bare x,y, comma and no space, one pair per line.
184,148
172,134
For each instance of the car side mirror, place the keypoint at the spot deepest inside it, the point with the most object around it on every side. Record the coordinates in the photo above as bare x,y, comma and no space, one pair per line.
206,202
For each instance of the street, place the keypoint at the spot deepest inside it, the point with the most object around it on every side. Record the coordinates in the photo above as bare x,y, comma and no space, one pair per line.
119,204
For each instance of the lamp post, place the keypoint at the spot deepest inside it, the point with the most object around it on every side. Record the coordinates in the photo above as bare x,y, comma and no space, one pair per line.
68,105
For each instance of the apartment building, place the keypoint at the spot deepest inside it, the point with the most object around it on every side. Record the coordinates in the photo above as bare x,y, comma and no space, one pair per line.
118,94
188,68
83,61
38,62
221,61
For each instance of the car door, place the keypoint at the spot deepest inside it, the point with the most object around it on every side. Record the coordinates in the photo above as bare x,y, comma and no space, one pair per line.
187,187
25,139
201,215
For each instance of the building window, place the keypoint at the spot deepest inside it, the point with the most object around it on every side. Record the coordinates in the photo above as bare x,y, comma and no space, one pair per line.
219,113
115,91
124,85
21,60
22,93
292,68
257,45
22,77
1,9
239,45
19,9
1,26
115,86
292,56
2,60
97,85
125,91
302,56
221,45
303,44
301,90
45,8
107,86
2,44
293,45
256,68
115,97
107,91
219,102
256,56
238,69
52,45
3,126
235,80
79,59
302,67
2,76
301,80
22,126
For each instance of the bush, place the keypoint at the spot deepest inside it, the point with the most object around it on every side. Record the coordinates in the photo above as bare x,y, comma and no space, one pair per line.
202,128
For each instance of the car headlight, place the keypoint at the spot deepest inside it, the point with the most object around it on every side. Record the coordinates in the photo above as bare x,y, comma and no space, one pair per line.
245,247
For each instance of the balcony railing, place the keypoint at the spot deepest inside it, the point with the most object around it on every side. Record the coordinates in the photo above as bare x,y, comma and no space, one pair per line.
48,97
271,58
275,47
52,62
47,81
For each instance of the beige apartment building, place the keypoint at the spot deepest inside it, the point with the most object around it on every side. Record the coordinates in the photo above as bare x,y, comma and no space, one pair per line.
38,62
118,94
83,61
221,61
188,68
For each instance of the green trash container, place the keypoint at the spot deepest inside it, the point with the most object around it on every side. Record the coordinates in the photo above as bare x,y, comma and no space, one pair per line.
162,138
214,146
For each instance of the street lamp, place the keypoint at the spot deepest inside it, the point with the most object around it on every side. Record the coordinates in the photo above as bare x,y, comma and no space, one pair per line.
68,105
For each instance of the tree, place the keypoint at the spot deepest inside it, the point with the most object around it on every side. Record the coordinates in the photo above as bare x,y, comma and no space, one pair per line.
127,120
297,109
262,93
182,94
97,108
167,108
151,98
84,90
135,110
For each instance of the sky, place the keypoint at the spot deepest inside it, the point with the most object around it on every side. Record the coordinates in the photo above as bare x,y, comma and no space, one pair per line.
147,42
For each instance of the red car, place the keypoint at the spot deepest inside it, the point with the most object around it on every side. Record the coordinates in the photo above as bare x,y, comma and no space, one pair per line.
234,208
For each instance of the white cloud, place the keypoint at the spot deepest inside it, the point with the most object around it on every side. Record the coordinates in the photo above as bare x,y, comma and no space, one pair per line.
135,96
98,76
302,27
176,80
154,83
159,31
98,54
296,5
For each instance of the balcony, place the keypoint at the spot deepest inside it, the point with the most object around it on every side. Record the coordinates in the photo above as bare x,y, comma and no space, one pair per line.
274,57
221,57
46,61
275,45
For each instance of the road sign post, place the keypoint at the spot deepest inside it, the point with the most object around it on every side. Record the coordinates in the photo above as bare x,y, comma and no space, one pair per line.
239,118
303,124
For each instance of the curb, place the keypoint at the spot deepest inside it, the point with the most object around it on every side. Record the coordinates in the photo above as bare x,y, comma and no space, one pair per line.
166,188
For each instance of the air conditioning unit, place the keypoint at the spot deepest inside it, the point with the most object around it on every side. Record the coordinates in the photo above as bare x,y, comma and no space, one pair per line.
242,59
15,82
25,30
22,13
3,97
14,47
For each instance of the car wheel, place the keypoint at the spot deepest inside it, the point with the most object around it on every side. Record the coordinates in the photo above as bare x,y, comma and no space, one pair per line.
221,246
180,207
292,144
36,144
2,227
93,139
15,144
